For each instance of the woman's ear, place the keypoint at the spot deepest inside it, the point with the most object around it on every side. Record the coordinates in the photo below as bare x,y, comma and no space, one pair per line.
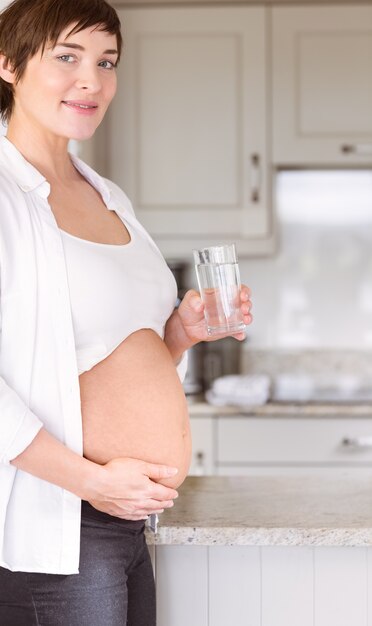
6,72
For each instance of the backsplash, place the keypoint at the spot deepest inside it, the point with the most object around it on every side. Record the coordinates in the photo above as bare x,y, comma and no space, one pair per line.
316,293
318,364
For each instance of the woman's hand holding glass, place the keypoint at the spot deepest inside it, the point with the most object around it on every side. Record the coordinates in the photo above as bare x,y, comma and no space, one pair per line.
187,325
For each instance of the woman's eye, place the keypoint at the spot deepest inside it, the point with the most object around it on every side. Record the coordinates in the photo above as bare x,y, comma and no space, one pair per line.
107,65
66,58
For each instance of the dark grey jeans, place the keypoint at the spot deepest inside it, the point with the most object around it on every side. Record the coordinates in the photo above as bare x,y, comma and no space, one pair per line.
115,586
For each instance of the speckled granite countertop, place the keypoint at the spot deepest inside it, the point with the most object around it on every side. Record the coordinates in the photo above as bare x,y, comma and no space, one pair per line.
269,510
279,409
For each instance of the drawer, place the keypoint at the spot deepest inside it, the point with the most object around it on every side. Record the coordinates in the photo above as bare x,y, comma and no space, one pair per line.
202,459
296,440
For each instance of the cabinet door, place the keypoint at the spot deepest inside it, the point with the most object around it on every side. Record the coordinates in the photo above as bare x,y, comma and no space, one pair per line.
187,130
297,441
322,85
202,460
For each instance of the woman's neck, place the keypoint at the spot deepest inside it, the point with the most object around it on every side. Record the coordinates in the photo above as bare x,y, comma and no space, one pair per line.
48,154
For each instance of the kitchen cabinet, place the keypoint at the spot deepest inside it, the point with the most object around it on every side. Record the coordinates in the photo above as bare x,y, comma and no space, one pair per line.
248,445
188,134
322,85
270,586
202,460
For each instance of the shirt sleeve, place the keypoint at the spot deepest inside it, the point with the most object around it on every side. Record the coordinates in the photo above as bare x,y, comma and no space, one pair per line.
182,367
18,424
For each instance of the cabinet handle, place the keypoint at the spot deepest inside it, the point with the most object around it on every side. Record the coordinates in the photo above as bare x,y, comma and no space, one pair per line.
200,469
255,177
357,442
361,149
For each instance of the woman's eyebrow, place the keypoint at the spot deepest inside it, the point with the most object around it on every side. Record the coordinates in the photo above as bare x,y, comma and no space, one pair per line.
77,46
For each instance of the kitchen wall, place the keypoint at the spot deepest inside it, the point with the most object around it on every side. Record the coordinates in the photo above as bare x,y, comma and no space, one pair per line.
316,293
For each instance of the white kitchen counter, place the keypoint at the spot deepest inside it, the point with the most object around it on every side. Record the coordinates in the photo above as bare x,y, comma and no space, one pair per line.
269,511
280,409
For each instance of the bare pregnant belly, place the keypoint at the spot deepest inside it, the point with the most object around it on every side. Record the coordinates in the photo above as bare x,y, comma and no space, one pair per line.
133,405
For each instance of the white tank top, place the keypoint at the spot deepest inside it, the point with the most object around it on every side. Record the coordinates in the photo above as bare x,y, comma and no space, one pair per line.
116,290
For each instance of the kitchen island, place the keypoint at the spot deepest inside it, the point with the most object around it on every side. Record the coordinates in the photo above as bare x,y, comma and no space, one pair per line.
266,551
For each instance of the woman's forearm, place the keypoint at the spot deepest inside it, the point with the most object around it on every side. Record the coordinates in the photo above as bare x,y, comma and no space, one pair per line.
48,459
124,487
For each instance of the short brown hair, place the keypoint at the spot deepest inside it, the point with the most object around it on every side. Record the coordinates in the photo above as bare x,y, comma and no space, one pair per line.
26,26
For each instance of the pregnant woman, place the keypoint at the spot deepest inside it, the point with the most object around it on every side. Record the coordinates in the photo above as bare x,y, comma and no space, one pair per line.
94,432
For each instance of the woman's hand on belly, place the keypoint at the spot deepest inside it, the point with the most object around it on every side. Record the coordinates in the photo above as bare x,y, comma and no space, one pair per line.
131,489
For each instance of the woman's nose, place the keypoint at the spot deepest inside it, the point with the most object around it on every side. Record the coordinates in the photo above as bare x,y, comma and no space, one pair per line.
89,79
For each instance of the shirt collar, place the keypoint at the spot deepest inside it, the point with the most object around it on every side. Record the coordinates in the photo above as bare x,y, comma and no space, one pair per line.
28,178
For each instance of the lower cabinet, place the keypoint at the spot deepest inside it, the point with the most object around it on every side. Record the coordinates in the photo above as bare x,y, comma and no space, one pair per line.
256,586
203,446
248,445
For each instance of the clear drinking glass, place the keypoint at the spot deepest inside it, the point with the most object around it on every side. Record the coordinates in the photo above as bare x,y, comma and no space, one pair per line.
218,277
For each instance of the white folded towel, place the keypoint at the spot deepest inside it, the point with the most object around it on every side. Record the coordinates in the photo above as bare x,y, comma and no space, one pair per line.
239,390
293,387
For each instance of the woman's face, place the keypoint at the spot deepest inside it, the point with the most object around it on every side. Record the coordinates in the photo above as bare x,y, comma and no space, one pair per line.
66,91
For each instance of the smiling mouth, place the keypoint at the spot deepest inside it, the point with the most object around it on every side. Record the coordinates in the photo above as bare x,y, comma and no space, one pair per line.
79,105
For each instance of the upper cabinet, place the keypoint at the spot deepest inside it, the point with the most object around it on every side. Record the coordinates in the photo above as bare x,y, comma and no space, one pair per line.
188,131
322,85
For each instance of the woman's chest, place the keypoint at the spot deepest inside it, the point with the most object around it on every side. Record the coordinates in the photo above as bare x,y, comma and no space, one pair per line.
80,211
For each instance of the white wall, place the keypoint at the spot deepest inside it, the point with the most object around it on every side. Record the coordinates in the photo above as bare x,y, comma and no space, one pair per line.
317,293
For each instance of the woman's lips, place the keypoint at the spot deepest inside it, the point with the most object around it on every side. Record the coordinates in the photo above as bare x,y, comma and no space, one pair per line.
80,106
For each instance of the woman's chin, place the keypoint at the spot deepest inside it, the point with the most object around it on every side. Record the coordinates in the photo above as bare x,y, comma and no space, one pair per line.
81,135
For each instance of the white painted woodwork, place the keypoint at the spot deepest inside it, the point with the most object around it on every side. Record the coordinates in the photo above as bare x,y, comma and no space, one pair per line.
189,117
234,586
182,585
263,586
322,85
369,587
340,592
248,446
287,586
300,441
202,461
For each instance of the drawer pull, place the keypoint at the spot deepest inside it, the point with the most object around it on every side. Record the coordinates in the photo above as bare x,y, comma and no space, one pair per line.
360,149
357,442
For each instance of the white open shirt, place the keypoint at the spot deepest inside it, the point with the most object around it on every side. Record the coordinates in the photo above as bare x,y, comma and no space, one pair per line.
39,385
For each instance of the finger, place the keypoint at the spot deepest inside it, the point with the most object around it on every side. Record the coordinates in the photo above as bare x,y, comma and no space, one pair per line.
248,319
157,491
192,300
239,336
133,518
245,292
196,304
246,307
151,505
157,472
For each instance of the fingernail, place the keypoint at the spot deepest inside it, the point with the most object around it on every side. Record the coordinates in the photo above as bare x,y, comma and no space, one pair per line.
196,303
172,471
